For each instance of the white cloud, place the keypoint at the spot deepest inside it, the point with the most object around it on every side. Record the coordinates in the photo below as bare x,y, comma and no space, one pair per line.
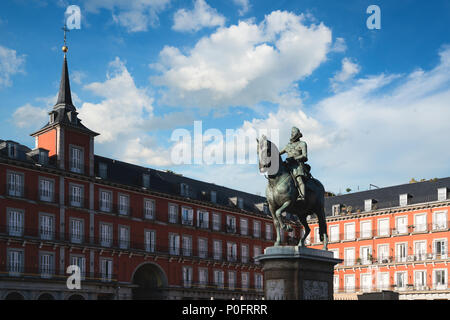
348,71
10,64
339,45
28,116
244,6
201,16
244,64
135,16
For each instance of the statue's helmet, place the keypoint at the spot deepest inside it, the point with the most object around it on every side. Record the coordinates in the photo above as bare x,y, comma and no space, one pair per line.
295,134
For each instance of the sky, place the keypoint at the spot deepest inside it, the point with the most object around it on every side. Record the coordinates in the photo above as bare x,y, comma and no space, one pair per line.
373,105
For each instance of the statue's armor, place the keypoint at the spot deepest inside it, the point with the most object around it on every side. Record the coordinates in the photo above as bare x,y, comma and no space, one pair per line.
297,166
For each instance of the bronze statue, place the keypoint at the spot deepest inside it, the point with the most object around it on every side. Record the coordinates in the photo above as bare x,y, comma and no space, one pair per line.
291,187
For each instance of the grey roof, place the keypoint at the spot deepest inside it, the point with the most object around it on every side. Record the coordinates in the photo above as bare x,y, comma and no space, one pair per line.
419,192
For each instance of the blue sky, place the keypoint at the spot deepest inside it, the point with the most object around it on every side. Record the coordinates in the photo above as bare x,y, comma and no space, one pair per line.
373,105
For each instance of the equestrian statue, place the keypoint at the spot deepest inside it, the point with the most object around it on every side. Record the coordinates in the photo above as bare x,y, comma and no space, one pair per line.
291,187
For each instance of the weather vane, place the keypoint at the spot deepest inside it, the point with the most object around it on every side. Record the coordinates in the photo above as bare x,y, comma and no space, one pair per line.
65,48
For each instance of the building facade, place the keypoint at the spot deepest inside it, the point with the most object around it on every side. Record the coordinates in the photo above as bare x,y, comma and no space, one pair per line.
134,232
392,238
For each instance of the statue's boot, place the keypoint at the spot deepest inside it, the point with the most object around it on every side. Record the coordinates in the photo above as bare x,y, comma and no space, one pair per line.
301,189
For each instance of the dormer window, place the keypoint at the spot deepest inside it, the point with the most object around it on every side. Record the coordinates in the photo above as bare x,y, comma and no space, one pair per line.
266,208
214,196
43,157
12,150
52,117
72,115
146,180
184,190
336,209
368,204
442,194
103,170
240,203
403,199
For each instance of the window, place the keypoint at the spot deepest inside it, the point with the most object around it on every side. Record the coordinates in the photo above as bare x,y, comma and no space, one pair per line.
349,256
420,222
316,235
231,280
217,245
218,278
124,237
334,233
15,261
231,251
440,279
349,231
336,283
366,229
244,226
256,252
46,265
383,227
202,247
106,234
150,238
149,209
103,170
366,282
336,209
76,230
244,253
258,281
366,255
383,253
442,194
106,201
76,159
400,280
368,205
349,283
15,222
420,250
187,246
46,190
269,234
46,226
124,204
12,150
106,269
43,157
257,229
202,277
231,224
244,281
266,208
214,196
173,213
174,244
403,199
187,276
383,280
401,225
146,180
440,220
216,221
79,261
440,248
401,252
187,216
184,190
240,203
202,219
15,184
420,279
76,195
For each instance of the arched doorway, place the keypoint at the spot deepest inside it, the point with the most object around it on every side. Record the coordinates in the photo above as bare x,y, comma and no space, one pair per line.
76,297
14,296
46,296
151,281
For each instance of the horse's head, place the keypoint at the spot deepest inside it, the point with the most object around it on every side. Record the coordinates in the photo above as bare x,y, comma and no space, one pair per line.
268,156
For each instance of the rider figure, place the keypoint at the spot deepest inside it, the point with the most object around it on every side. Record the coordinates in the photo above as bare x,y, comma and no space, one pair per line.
297,155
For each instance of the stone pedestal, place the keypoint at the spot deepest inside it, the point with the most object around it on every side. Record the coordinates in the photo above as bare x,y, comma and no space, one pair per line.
298,273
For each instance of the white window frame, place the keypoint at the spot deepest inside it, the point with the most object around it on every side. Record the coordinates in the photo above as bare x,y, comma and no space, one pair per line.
245,283
349,235
174,244
46,189
187,273
231,280
187,216
203,277
442,194
440,224
15,221
365,252
401,251
123,236
256,228
103,170
149,209
80,261
420,279
269,231
245,248
124,204
106,199
202,219
217,249
76,159
401,228
46,264
366,286
15,261
106,234
383,231
349,261
46,226
420,250
15,181
418,225
106,269
186,241
334,233
173,213
232,251
203,247
383,254
231,224
150,240
216,221
349,286
366,233
440,286
76,226
243,224
219,280
76,195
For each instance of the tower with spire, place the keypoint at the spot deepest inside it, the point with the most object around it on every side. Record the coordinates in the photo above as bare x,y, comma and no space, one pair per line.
69,142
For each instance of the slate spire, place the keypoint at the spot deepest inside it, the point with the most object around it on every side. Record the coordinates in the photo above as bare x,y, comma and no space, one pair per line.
64,94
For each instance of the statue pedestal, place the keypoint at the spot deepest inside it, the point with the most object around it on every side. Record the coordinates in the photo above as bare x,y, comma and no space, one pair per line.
298,273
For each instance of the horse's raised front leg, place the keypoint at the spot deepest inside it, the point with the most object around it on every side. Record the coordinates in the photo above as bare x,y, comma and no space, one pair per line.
279,212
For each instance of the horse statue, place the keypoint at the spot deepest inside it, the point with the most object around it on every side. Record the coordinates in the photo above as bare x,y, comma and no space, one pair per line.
282,193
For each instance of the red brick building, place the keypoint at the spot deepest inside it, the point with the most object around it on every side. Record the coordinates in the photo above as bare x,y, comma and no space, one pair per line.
134,232
393,238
